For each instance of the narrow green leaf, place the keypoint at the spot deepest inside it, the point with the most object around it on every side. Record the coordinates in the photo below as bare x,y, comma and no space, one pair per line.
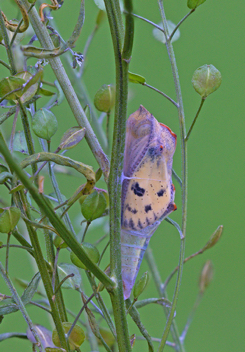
135,78
31,289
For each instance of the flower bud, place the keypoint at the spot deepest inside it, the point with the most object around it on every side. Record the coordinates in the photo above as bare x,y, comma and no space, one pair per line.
206,276
104,99
206,79
140,285
94,205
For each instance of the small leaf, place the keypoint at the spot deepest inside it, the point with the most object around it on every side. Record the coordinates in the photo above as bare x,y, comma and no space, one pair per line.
7,308
9,218
135,78
9,84
29,89
19,144
162,301
193,4
44,124
3,168
5,176
160,36
45,92
18,188
72,137
94,206
140,285
44,334
74,282
98,174
33,79
31,289
76,338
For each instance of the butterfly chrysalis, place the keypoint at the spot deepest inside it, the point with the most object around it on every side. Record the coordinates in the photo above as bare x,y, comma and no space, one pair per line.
147,189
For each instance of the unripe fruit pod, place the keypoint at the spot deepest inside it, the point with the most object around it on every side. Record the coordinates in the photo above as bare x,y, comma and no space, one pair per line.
92,253
104,99
9,218
206,79
75,339
206,276
140,285
59,242
44,124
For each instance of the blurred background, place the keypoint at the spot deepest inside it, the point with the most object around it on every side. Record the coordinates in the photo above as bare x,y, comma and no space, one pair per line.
211,35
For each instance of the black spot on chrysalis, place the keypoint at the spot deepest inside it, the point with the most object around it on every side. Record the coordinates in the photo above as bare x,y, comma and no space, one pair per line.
147,208
137,189
161,192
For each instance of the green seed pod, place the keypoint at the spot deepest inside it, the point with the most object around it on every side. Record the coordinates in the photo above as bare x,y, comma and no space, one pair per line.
92,253
104,99
193,4
59,242
94,205
206,276
44,124
9,218
140,285
214,238
206,79
76,338
107,336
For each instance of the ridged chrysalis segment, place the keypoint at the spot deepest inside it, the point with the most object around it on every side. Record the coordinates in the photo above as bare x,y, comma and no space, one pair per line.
147,189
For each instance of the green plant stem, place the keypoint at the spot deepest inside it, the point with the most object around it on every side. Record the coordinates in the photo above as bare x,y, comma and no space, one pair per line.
148,21
163,94
171,55
12,110
158,282
191,316
7,46
100,301
195,118
20,305
4,64
136,318
54,219
41,264
122,53
180,22
60,73
7,254
27,132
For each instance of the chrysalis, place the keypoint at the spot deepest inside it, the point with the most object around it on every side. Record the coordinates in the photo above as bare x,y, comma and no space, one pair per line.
147,189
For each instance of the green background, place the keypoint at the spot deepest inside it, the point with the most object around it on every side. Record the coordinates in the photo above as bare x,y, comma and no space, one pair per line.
212,35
